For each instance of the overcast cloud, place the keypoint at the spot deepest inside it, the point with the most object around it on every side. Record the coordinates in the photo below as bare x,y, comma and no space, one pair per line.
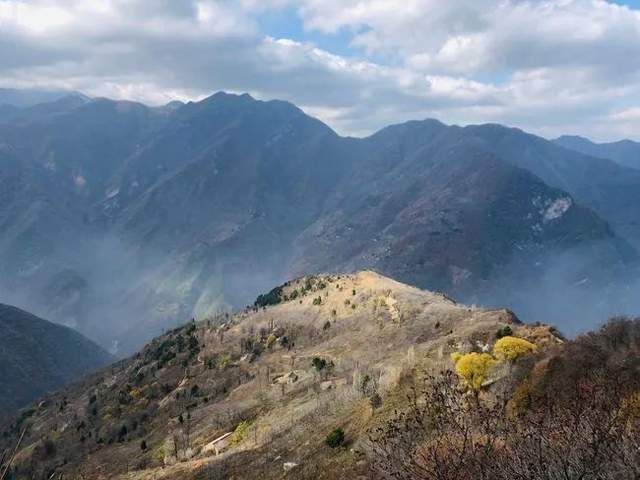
551,67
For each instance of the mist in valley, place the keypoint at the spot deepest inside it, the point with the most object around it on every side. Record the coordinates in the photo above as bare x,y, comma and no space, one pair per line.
121,295
573,290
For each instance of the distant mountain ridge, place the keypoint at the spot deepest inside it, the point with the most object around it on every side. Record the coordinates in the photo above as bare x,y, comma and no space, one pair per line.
624,152
37,357
122,220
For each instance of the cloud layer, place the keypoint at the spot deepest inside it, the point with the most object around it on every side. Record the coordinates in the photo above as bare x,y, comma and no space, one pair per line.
562,66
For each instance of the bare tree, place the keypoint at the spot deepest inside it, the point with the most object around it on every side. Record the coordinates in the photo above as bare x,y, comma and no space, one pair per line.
590,431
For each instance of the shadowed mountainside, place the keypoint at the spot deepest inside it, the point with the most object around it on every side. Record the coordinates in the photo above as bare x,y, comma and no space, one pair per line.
37,357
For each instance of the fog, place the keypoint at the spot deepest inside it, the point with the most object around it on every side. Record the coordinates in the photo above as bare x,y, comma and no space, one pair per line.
121,295
576,290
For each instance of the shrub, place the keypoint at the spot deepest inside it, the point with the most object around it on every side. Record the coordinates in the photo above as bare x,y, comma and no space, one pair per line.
505,331
511,348
240,433
271,340
455,356
225,361
135,393
474,368
272,298
335,439
319,363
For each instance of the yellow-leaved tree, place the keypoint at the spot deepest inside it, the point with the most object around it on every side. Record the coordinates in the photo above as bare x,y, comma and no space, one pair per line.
512,348
473,368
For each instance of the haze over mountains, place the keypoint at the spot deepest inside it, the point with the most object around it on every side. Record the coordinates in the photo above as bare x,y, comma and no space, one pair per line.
624,152
120,220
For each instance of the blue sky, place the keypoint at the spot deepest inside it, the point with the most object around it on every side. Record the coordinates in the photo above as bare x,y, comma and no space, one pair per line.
286,23
548,66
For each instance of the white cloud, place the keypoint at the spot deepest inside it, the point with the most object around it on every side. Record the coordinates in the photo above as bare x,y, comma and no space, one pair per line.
548,66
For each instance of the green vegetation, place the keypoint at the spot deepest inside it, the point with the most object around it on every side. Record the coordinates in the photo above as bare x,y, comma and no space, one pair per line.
319,363
240,433
273,297
225,361
271,340
335,439
504,332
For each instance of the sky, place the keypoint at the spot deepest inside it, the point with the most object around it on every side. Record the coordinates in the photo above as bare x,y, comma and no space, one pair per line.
549,67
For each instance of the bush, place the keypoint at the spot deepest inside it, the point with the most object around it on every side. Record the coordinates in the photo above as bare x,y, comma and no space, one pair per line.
474,368
335,439
504,332
225,361
511,348
272,298
319,363
240,433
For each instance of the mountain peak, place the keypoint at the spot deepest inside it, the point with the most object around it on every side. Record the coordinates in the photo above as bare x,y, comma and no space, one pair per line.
222,96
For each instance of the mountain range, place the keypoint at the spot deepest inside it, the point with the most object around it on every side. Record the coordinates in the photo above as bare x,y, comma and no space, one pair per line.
624,152
122,220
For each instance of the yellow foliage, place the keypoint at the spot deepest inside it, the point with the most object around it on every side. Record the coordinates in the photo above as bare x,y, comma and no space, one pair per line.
240,433
511,348
455,356
135,393
158,453
271,340
474,368
630,407
225,361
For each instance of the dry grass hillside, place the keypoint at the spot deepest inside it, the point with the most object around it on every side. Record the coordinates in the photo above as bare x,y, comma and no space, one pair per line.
313,355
